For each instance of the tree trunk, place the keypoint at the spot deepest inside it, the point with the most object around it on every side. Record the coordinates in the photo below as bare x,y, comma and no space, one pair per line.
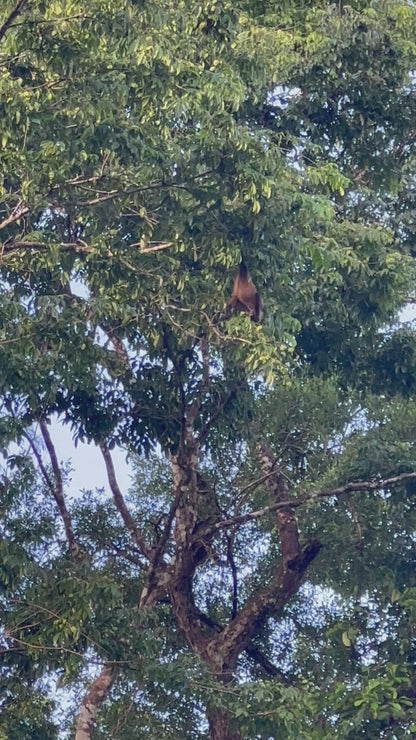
219,722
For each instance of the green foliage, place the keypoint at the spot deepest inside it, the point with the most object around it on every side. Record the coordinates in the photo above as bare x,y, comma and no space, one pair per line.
145,147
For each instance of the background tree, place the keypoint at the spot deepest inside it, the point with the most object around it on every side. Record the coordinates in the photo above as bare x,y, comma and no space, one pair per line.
258,580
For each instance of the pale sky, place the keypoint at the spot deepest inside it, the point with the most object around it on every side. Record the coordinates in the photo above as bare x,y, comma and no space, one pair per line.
89,469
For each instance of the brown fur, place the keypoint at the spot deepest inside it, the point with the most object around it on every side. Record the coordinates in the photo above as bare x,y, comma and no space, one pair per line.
244,296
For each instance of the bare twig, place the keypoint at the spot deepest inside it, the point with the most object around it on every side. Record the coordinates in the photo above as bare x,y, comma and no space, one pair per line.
121,504
56,487
9,20
158,185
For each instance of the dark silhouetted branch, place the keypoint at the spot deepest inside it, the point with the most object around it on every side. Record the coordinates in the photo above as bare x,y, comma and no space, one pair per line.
121,504
56,487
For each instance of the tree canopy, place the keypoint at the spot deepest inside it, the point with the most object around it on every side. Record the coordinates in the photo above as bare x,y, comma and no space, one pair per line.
257,581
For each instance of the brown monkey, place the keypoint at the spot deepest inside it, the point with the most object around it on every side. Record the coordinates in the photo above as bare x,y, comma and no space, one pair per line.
244,296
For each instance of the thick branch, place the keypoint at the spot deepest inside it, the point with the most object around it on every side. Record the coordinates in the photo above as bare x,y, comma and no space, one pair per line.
252,651
57,487
188,552
16,213
8,22
121,504
285,518
224,648
91,704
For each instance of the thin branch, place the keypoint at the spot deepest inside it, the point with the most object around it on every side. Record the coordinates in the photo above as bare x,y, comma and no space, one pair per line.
354,517
57,488
371,485
53,21
156,248
271,598
223,337
79,247
255,654
156,568
216,415
15,12
121,504
258,481
159,185
39,461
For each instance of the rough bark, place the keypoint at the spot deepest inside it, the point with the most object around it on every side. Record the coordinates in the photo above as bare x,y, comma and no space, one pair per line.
219,724
91,703
220,649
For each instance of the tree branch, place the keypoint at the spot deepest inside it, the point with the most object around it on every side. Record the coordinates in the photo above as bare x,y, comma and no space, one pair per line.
149,594
285,582
371,485
121,504
157,246
257,656
224,649
285,518
158,185
92,702
17,212
7,23
12,246
57,487
252,651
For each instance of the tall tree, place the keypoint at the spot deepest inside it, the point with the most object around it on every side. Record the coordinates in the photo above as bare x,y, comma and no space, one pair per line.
258,579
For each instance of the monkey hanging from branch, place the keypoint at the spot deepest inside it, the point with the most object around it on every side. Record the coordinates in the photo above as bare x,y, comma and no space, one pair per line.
245,296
